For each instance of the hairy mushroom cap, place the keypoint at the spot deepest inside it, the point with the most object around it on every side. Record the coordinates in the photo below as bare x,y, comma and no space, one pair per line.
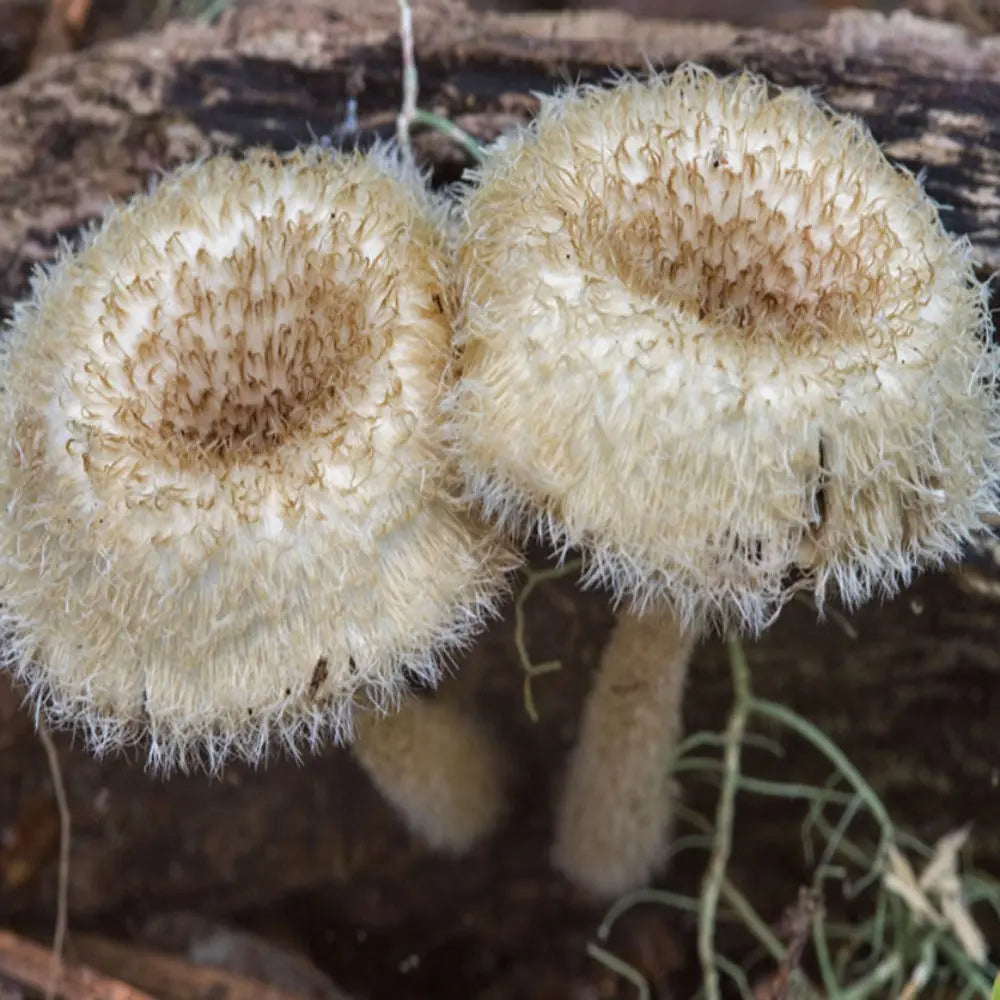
225,499
711,335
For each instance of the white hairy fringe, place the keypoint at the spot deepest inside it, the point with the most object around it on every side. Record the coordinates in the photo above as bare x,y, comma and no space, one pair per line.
470,575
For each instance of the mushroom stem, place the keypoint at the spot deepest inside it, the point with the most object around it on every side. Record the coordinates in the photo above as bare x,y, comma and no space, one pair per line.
437,768
616,813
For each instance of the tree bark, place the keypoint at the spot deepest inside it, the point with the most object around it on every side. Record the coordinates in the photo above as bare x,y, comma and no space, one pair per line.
85,128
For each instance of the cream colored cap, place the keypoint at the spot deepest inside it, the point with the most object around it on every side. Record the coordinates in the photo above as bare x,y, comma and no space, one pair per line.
711,335
225,495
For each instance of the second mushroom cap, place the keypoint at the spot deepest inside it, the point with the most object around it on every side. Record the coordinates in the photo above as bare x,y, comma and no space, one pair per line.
711,335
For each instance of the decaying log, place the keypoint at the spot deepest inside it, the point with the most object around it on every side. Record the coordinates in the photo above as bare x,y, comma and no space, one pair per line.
169,977
97,125
914,699
25,963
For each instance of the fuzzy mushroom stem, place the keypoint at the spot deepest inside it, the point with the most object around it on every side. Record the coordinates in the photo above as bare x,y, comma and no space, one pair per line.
616,812
438,769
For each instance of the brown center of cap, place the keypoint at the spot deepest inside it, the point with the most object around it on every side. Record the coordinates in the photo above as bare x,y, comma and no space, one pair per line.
729,249
236,361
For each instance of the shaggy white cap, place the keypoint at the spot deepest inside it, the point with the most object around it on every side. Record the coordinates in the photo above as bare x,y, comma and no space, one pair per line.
712,336
221,462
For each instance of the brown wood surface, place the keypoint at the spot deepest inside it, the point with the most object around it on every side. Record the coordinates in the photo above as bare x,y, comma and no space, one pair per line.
88,127
309,849
28,964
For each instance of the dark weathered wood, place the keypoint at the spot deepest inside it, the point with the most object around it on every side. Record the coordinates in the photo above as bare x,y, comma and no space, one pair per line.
915,699
20,23
27,964
83,129
169,977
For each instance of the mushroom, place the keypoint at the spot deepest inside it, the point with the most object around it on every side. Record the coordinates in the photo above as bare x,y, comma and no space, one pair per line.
438,766
713,338
616,812
227,510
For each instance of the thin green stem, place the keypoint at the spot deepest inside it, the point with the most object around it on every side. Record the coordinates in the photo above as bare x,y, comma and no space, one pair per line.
697,740
623,969
691,842
753,922
839,835
831,751
533,670
723,840
409,114
459,136
688,815
888,953
883,973
761,786
831,984
966,967
736,974
846,848
812,816
675,900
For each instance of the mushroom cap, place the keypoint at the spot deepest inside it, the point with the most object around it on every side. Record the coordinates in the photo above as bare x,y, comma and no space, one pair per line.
710,335
226,491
